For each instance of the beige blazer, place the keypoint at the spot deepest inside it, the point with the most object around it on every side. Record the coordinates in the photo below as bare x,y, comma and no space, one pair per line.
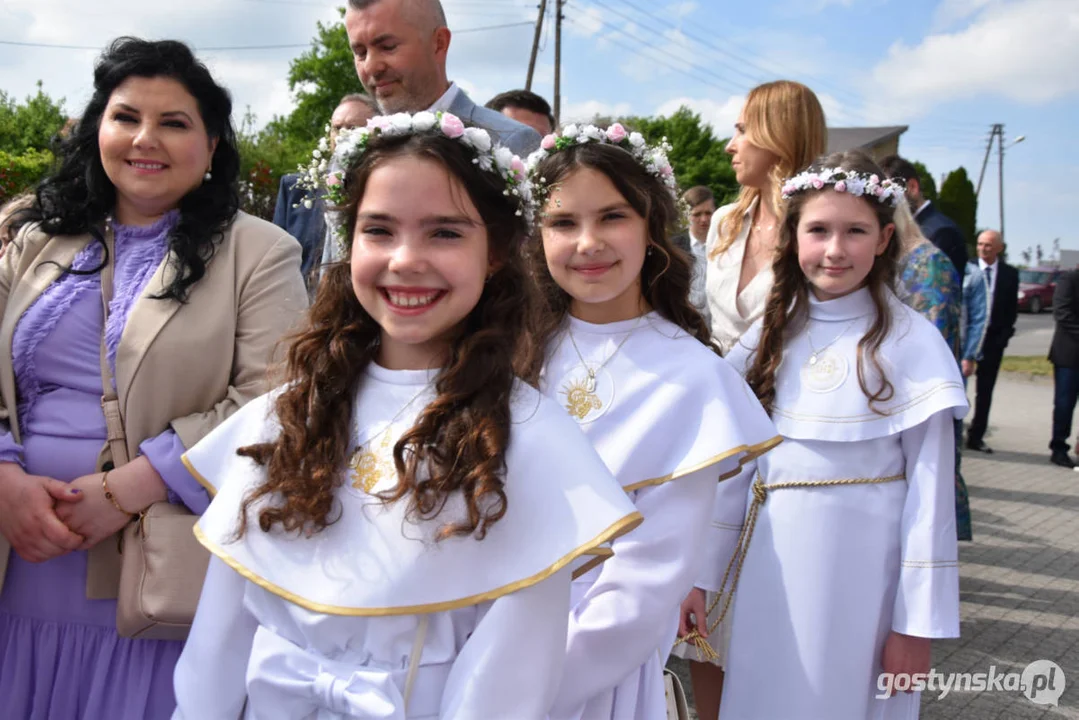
188,366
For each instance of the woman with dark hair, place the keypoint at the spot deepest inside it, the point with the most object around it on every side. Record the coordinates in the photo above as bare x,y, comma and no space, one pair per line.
135,276
619,345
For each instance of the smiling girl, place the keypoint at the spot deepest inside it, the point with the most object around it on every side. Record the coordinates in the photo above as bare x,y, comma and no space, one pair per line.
395,540
848,565
624,352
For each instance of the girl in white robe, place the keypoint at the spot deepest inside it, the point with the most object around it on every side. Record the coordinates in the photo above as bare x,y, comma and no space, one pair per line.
624,352
846,563
392,536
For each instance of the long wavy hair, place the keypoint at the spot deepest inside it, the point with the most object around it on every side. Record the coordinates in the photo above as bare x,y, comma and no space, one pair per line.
458,444
787,309
786,119
666,273
78,196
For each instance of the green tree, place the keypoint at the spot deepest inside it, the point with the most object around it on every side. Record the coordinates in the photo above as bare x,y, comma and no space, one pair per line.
958,201
697,155
319,78
926,182
32,124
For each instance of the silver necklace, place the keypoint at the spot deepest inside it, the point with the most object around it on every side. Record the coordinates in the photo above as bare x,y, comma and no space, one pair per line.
815,351
590,383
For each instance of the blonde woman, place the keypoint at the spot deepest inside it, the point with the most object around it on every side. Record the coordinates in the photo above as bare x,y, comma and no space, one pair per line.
779,132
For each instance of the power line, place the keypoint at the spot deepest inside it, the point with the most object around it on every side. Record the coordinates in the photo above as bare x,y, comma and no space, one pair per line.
55,46
662,52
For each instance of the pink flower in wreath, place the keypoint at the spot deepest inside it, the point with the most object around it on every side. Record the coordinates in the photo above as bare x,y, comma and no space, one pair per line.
841,186
548,142
818,183
333,178
666,171
518,166
451,125
616,133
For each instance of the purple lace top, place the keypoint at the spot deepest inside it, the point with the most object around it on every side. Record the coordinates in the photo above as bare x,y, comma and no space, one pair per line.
56,355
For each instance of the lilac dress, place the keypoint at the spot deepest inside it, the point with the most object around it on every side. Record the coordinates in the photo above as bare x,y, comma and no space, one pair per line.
60,655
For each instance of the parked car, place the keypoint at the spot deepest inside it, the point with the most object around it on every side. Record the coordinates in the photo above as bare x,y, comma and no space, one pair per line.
1036,287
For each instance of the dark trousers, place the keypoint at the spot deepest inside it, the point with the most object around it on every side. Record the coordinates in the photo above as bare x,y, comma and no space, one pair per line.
986,380
1065,393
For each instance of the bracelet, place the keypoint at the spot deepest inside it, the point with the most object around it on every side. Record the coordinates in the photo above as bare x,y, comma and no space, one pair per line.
108,494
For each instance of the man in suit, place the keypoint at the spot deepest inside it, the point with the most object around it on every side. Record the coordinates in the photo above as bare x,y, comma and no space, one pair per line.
1064,354
307,224
526,107
934,224
1002,281
702,205
400,49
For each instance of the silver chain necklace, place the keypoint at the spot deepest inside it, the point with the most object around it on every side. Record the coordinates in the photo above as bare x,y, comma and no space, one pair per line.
815,354
590,384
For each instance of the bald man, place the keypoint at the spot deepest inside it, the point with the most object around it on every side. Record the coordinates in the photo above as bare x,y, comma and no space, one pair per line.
1002,283
400,49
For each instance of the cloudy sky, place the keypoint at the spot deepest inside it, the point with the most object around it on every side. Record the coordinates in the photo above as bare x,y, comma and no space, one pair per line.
947,68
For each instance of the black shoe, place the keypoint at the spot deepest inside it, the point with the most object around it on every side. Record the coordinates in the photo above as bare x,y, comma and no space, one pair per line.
1062,459
979,446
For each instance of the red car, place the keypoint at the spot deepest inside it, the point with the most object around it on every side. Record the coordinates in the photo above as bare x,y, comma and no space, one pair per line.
1036,287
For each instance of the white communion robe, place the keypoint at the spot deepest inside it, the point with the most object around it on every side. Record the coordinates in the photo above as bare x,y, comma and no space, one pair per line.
327,627
670,418
831,570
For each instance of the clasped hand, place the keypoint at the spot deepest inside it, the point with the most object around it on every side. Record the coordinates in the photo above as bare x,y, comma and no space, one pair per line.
44,518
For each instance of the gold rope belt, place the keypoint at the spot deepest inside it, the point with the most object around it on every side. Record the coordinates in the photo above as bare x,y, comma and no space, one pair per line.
760,494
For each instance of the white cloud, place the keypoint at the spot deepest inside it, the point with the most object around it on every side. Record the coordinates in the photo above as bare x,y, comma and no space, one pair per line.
1026,51
681,10
589,109
950,12
721,115
587,22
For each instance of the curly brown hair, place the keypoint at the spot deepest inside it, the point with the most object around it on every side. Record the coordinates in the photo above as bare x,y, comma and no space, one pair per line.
459,441
787,308
666,274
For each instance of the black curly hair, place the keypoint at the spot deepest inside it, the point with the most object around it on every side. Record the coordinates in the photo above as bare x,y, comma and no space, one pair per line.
77,197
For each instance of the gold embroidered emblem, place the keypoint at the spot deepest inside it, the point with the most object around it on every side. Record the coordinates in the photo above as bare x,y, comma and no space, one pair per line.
369,466
581,398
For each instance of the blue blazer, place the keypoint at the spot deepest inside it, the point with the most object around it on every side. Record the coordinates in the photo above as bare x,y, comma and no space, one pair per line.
945,234
306,225
519,138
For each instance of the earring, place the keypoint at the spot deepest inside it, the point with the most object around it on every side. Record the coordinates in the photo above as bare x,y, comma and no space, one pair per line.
648,251
208,176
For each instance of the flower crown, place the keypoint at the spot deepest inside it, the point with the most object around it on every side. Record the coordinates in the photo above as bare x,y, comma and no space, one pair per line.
848,181
652,158
326,171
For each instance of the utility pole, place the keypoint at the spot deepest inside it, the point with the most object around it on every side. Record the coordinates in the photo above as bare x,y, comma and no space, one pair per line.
558,62
535,43
997,130
1000,167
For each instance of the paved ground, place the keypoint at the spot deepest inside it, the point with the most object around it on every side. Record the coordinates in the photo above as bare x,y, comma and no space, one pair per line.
1020,577
1033,333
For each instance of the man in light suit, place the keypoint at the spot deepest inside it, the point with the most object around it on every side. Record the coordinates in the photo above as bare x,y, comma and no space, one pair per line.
400,49
1002,281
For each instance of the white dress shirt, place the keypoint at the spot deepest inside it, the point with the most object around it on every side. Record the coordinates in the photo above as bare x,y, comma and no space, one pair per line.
444,102
990,273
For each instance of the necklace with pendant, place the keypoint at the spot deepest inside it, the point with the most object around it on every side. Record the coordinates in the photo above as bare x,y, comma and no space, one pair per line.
581,397
815,352
368,464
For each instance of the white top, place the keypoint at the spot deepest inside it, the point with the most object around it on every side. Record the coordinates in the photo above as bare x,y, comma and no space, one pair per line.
824,401
730,312
670,418
326,623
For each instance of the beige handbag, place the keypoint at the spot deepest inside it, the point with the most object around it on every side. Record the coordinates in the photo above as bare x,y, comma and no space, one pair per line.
163,565
677,707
